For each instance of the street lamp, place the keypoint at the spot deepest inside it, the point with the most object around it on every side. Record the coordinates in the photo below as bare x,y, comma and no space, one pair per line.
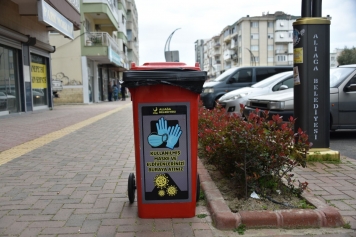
171,56
253,58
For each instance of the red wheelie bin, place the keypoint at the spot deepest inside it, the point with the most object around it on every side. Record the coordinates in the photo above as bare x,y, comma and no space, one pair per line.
165,98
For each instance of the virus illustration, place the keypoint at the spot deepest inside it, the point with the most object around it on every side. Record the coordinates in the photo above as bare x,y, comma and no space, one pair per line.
161,181
161,193
172,190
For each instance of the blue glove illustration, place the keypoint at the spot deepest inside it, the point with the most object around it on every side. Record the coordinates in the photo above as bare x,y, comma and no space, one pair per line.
173,136
156,140
162,127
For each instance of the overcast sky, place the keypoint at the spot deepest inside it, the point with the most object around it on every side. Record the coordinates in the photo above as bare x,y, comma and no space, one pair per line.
203,19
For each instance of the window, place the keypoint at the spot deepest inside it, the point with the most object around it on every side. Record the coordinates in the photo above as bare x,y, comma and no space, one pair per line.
270,59
256,59
290,34
288,82
352,81
254,24
281,58
254,48
261,73
123,19
270,24
270,36
39,80
270,47
243,75
254,36
87,25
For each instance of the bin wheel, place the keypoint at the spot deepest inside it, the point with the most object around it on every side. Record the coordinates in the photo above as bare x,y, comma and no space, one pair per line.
131,187
198,188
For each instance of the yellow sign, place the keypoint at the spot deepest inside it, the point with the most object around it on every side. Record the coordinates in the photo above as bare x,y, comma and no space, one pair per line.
38,75
298,55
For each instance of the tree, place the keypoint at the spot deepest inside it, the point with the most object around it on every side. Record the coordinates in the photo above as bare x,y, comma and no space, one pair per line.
347,56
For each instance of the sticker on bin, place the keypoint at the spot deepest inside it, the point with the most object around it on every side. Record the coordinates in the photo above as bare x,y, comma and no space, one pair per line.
165,154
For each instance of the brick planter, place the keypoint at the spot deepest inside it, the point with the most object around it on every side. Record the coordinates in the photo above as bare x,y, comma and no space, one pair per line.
223,218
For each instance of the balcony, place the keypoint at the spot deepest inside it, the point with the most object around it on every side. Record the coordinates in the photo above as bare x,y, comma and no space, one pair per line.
101,47
227,39
228,54
234,44
102,11
217,67
216,53
281,51
129,25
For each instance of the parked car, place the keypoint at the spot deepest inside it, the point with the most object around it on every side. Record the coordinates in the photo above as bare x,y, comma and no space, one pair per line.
7,102
342,100
231,101
56,87
235,78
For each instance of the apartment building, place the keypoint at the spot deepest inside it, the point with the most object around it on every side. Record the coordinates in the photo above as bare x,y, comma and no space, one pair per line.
93,62
260,41
25,50
333,57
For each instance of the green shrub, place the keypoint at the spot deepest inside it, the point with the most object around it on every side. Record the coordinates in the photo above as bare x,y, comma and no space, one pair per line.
258,152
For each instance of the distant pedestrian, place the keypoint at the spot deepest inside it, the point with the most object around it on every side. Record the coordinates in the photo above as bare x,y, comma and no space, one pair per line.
123,92
115,91
110,92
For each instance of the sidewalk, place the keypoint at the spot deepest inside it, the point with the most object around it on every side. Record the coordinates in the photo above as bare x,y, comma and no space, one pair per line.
64,172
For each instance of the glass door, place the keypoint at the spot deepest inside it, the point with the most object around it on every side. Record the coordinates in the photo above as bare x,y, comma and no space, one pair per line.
9,96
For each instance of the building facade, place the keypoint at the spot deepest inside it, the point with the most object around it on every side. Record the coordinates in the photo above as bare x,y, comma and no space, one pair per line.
260,41
25,50
93,62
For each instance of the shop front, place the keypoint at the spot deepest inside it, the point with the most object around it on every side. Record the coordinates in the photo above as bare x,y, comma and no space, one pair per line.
25,62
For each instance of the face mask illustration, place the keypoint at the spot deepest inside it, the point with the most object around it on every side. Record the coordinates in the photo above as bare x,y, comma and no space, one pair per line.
156,140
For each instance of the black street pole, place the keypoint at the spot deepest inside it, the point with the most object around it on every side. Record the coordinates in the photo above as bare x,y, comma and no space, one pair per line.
311,39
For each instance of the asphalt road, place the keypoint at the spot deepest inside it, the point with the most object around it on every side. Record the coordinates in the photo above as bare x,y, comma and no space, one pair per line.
344,141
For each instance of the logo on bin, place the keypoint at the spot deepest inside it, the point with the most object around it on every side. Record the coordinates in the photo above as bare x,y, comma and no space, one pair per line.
164,134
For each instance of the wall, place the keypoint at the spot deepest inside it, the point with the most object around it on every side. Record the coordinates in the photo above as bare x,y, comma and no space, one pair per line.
70,96
27,25
66,66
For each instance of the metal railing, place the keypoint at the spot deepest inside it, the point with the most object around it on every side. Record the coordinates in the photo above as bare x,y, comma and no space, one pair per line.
101,39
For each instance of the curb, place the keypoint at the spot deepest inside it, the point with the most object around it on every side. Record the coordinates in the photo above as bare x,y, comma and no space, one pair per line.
322,216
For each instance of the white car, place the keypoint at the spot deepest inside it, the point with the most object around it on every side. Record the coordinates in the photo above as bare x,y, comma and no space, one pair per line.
342,100
231,101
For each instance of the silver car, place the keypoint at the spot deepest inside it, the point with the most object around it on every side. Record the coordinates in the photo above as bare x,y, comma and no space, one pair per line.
231,101
342,100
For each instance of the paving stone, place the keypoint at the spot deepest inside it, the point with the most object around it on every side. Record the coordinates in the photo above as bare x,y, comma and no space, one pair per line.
63,214
107,231
47,224
31,232
76,220
16,228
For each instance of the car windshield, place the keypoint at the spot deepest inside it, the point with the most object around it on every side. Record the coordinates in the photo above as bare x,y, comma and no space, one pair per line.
225,75
338,75
270,80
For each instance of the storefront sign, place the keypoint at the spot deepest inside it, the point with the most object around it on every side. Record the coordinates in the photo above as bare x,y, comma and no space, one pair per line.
38,76
165,155
114,57
50,16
